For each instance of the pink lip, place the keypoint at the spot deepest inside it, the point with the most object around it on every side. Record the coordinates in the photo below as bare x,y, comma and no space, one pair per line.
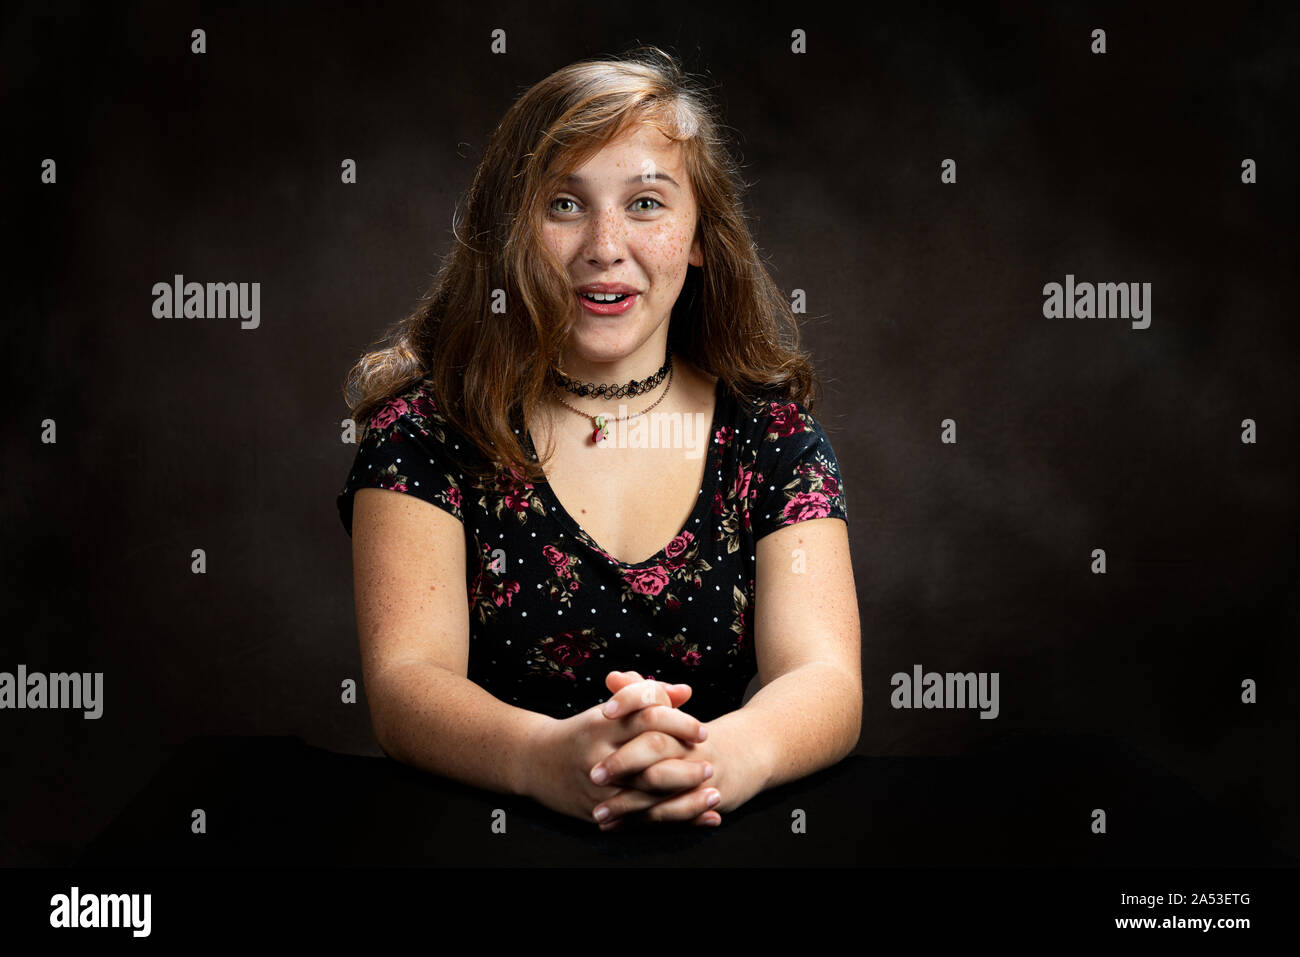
607,308
614,287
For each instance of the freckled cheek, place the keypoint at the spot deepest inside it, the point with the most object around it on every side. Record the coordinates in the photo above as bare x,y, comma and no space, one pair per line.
666,250
557,244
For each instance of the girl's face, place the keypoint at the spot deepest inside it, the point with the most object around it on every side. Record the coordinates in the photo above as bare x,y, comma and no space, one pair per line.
625,219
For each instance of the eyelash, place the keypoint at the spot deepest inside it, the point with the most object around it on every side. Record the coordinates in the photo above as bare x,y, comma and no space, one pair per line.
639,199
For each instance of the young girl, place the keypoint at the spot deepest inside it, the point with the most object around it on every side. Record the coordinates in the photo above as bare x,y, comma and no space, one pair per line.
633,510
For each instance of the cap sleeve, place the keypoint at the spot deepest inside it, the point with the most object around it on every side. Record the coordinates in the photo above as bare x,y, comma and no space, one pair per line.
801,477
405,446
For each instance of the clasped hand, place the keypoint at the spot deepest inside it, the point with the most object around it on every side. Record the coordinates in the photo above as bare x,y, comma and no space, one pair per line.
658,763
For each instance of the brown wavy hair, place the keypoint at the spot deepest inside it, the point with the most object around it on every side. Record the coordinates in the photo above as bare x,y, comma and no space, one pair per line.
486,368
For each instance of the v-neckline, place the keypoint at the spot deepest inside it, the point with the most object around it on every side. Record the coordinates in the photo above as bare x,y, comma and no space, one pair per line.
704,498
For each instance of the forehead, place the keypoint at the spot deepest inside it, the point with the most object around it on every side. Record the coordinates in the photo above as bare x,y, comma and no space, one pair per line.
632,148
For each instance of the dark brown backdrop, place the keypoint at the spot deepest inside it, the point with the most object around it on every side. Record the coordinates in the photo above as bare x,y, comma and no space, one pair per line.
925,303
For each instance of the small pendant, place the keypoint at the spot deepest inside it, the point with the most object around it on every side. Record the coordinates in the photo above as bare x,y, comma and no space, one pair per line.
601,433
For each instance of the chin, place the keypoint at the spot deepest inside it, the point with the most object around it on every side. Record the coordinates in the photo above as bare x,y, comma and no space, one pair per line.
595,355
604,345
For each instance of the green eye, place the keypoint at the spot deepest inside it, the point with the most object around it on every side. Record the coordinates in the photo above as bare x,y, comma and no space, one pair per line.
643,199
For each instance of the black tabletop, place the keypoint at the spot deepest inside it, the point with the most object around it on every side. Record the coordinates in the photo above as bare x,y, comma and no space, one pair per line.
1024,801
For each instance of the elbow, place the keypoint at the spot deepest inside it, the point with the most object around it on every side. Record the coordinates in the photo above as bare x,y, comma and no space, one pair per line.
385,745
383,729
386,689
853,721
854,734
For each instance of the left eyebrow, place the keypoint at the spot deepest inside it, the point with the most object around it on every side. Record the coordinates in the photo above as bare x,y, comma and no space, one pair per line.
577,180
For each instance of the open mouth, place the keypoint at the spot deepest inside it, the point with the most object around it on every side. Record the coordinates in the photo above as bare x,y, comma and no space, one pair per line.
607,303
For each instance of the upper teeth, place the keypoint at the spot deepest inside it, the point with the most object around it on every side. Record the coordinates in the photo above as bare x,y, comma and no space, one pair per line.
604,296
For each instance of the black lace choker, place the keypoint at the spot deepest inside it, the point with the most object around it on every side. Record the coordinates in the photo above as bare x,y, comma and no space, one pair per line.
635,387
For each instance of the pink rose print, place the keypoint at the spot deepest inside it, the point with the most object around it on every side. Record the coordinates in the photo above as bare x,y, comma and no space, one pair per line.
806,505
453,496
392,479
723,435
679,648
515,490
677,547
742,483
517,477
647,581
389,413
557,656
564,573
422,406
785,420
507,592
567,652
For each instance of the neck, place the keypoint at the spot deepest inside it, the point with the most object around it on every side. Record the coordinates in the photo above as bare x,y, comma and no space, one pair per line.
617,373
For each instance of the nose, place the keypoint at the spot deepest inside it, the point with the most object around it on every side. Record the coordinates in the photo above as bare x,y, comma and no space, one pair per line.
605,243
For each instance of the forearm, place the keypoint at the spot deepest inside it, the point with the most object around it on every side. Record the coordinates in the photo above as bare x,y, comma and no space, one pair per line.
439,721
805,720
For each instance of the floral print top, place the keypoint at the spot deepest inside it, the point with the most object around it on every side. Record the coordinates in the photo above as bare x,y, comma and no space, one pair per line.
551,613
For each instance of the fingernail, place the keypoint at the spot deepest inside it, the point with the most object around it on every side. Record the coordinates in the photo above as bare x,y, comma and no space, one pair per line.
708,771
704,732
611,708
599,774
602,813
714,798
